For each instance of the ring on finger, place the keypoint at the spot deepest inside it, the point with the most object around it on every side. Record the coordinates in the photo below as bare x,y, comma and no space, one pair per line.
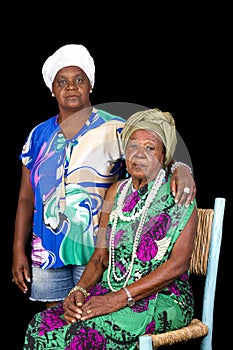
88,311
187,190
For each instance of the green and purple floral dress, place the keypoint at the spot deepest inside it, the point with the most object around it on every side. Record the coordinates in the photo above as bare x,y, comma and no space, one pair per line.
169,309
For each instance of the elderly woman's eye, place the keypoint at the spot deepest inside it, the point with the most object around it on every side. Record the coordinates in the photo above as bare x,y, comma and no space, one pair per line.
150,148
132,145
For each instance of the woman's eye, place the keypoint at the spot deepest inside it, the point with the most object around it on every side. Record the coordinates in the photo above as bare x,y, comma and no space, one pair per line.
62,82
78,81
132,146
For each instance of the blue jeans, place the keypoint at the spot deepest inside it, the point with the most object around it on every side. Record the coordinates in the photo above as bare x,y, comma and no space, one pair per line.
54,284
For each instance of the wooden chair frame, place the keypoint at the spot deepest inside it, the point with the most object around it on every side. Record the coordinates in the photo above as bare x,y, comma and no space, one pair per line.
204,262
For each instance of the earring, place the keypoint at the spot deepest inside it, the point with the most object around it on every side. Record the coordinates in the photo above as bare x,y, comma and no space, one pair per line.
90,91
53,94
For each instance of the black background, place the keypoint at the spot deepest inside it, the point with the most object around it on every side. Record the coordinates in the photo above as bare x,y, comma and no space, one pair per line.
176,59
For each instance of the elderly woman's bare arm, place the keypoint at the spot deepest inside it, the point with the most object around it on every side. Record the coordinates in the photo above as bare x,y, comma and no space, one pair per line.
175,266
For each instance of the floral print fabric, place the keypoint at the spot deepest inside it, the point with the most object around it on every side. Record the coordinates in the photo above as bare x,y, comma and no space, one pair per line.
169,309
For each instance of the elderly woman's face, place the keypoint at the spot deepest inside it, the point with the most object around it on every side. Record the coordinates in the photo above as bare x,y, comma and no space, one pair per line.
144,154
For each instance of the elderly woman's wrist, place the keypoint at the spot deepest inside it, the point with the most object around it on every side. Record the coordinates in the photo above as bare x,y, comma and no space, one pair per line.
79,289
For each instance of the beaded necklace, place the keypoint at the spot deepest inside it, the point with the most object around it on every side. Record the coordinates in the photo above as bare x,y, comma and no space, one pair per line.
116,214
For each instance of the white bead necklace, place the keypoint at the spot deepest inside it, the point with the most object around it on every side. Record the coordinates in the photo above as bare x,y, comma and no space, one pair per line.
117,213
133,216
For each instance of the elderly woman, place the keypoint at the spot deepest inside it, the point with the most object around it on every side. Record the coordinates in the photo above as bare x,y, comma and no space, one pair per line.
137,280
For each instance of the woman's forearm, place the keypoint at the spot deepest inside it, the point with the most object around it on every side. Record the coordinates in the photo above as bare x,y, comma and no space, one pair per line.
94,269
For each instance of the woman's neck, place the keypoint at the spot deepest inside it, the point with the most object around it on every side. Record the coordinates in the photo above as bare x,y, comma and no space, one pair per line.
82,114
73,124
141,182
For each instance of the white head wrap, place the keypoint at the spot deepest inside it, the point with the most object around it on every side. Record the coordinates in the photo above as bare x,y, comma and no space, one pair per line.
68,55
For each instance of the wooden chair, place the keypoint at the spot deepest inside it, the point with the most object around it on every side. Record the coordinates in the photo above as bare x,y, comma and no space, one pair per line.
204,262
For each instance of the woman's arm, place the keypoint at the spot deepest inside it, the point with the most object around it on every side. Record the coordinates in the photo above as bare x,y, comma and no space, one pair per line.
182,181
23,225
175,266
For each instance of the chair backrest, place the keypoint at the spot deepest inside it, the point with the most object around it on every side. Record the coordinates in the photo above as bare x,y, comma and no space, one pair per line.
212,269
198,265
204,261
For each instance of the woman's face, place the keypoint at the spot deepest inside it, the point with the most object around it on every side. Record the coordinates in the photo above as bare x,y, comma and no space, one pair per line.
71,88
144,155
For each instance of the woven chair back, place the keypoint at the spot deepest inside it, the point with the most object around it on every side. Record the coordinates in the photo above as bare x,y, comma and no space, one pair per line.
198,264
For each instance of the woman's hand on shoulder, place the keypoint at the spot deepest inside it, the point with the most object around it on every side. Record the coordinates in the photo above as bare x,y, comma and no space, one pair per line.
183,185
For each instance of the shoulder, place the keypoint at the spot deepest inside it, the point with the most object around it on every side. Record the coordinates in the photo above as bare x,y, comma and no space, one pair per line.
39,134
51,123
45,127
109,116
114,189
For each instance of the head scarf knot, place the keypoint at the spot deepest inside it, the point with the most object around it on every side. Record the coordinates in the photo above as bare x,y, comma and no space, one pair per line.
68,55
162,123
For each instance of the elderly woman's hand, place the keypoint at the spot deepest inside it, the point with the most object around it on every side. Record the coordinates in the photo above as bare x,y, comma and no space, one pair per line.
102,305
183,185
76,309
72,306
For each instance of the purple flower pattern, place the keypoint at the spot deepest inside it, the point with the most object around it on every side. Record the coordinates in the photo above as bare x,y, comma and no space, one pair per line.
142,305
131,201
173,288
150,327
97,289
153,231
87,338
50,319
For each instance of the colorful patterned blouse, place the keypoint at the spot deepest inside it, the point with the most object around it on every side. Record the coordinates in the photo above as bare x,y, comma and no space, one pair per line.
69,179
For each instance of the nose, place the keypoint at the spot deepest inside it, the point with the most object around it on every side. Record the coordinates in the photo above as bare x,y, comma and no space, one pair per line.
71,85
140,152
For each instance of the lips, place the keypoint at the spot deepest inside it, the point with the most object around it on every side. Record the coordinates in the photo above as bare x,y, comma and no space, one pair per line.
138,165
72,96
